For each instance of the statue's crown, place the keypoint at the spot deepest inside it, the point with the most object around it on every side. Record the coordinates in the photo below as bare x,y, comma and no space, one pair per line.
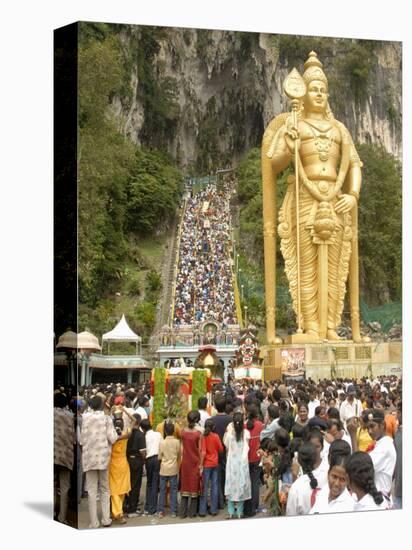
313,69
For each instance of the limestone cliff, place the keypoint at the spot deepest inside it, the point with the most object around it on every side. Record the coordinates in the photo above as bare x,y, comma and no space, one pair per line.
206,96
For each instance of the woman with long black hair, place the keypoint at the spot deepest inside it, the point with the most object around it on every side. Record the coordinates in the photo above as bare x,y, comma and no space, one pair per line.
303,492
282,440
237,485
362,483
335,497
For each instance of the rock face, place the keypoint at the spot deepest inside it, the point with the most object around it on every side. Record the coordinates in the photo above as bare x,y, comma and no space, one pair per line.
212,93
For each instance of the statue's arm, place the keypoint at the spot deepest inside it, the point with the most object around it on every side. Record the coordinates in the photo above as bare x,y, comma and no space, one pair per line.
354,177
279,153
354,181
275,148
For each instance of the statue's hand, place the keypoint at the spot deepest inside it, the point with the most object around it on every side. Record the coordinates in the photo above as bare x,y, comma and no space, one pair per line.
345,204
292,137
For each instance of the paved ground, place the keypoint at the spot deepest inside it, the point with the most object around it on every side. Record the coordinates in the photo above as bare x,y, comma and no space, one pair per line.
151,520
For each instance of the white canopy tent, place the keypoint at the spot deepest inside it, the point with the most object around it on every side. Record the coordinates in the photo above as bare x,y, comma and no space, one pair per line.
122,333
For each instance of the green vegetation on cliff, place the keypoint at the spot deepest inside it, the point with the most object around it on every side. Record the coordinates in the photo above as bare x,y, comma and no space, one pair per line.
127,197
380,226
158,95
354,61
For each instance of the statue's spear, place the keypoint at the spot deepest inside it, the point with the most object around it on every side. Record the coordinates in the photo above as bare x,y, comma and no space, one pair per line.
295,88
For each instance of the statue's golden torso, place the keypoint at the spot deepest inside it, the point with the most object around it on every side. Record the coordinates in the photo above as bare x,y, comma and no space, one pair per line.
320,149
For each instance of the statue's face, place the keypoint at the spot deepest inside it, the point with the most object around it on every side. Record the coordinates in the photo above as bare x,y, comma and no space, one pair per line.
317,96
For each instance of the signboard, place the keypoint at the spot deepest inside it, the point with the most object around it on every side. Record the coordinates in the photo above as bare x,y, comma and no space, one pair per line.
293,362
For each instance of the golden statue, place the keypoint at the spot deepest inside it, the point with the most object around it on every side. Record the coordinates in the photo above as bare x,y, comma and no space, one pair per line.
321,201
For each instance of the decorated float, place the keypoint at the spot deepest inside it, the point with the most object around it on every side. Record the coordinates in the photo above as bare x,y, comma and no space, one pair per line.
247,357
176,391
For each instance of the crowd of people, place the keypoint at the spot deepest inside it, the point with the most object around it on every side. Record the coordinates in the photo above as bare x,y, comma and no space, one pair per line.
204,282
247,448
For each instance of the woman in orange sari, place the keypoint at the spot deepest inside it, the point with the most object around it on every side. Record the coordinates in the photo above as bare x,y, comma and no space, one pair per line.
119,470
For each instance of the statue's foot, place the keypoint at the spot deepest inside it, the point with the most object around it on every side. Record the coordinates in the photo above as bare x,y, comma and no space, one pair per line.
332,335
362,340
358,338
307,337
313,334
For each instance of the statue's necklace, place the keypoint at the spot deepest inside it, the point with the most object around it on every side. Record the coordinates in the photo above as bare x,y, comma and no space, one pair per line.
323,139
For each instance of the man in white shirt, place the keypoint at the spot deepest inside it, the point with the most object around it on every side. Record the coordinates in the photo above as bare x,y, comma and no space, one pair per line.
152,463
312,404
272,424
96,438
384,454
384,389
351,407
144,406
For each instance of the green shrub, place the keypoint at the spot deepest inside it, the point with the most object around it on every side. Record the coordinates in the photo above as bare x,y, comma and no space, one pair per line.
135,287
159,384
356,66
153,281
199,386
380,226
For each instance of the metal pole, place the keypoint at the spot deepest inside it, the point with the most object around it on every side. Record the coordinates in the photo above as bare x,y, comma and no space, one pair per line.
73,369
295,88
83,373
295,123
87,370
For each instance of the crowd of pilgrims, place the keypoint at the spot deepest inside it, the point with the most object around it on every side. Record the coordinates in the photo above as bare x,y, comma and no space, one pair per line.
204,283
252,448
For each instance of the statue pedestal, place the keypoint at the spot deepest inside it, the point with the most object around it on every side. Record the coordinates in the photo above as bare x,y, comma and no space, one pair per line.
302,339
327,359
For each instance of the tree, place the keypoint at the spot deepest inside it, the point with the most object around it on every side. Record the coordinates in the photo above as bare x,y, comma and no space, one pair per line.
380,226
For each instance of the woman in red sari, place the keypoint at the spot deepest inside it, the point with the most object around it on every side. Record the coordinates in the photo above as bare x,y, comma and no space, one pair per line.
190,468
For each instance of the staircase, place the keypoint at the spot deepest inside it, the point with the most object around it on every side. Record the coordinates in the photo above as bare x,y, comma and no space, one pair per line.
169,271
